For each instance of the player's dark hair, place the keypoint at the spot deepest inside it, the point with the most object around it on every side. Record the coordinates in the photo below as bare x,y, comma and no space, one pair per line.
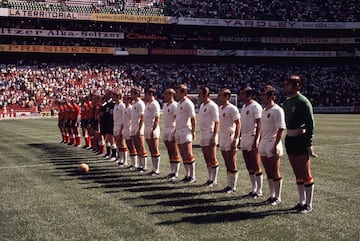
150,91
269,90
227,92
183,88
136,91
205,90
295,80
249,92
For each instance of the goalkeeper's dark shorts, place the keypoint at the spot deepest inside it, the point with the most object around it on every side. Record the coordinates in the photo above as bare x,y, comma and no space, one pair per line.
296,145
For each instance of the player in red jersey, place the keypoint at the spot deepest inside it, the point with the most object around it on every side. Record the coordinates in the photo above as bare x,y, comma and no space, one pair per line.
68,124
90,115
61,121
75,122
98,102
92,125
84,121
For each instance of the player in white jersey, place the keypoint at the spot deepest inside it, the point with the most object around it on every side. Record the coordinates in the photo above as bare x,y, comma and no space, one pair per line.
137,127
229,136
168,132
152,129
185,131
270,146
209,126
118,114
127,132
249,140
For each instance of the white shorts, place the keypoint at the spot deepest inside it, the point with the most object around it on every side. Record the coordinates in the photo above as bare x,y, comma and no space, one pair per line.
205,138
116,131
246,142
168,134
226,141
149,131
133,131
126,134
266,146
183,136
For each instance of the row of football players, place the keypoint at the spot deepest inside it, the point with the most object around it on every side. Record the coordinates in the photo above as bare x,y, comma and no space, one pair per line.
124,123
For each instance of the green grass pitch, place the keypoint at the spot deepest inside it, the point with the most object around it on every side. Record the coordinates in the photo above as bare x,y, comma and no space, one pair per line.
43,197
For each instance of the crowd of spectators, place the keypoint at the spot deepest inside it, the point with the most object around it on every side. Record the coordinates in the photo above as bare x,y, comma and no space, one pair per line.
28,85
278,10
43,84
289,10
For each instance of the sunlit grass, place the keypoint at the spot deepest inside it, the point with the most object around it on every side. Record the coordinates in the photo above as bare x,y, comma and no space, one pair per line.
44,197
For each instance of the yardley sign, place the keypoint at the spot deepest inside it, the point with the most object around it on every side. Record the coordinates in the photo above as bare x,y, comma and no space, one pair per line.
263,23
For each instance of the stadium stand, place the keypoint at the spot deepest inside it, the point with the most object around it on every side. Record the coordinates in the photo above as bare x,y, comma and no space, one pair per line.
290,10
33,84
149,8
163,55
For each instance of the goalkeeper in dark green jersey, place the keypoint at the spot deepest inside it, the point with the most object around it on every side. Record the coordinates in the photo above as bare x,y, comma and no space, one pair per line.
298,141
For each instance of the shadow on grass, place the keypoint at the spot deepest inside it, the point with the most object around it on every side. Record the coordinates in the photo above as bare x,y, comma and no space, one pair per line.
191,200
210,208
227,217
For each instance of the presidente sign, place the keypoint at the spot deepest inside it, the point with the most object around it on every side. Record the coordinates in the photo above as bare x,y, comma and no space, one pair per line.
72,49
56,49
60,33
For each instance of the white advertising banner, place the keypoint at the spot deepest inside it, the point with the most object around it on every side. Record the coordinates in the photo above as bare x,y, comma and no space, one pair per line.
44,14
60,33
265,53
4,12
263,23
291,40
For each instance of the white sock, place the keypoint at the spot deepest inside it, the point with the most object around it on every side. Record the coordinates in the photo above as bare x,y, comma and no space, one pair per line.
271,187
259,182
134,160
234,177
187,170
172,167
215,171
156,164
176,168
192,170
123,156
210,173
309,191
301,190
277,188
253,183
144,162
